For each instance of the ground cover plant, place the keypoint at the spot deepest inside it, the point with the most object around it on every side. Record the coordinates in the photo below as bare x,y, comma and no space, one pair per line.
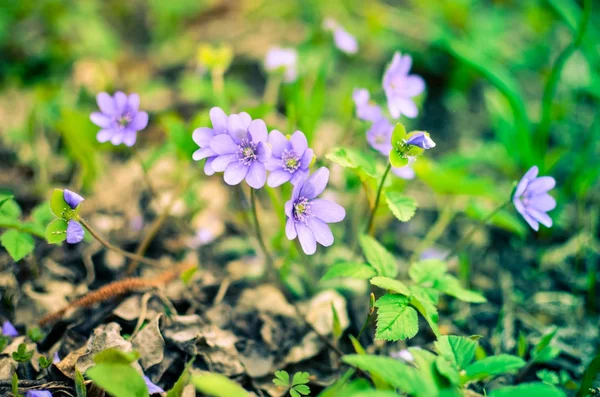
257,198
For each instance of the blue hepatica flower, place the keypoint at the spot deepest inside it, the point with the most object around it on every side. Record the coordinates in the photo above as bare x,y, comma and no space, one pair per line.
203,135
366,109
38,393
119,118
308,216
532,200
242,152
75,231
421,139
400,87
379,137
9,330
152,388
290,158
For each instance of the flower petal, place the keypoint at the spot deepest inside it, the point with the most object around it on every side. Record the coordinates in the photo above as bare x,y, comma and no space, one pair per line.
105,135
345,41
258,130
413,85
208,170
202,136
263,152
521,209
321,231
223,144
299,142
246,119
532,173
133,102
101,120
72,198
290,229
257,175
117,138
106,103
9,330
221,163
279,143
74,232
306,159
540,216
327,211
218,118
406,107
236,128
405,172
152,388
307,239
139,122
235,173
288,208
540,186
129,138
203,153
120,102
315,184
278,178
543,203
299,176
360,96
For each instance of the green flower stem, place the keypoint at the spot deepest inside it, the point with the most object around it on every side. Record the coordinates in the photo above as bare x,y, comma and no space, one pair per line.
114,248
377,198
271,93
460,245
259,236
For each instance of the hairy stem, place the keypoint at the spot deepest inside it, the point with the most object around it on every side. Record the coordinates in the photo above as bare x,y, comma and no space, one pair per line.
259,236
460,245
377,198
114,248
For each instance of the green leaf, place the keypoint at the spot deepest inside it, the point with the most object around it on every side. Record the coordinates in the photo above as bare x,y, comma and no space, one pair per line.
42,214
56,232
120,380
395,319
494,365
378,257
396,160
300,378
447,369
18,244
451,286
15,386
337,327
421,301
9,209
528,390
79,384
354,159
390,370
458,350
391,284
115,356
589,376
4,200
218,385
548,376
398,135
294,393
282,378
182,382
58,205
403,207
302,389
427,271
360,271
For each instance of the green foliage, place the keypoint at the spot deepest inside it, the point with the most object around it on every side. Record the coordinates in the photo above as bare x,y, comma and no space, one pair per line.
3,342
494,365
544,351
44,362
217,385
58,205
17,243
35,334
15,386
297,387
528,390
391,285
56,232
22,355
456,349
113,372
116,356
355,160
80,388
359,271
378,257
337,327
589,376
403,207
396,320
182,382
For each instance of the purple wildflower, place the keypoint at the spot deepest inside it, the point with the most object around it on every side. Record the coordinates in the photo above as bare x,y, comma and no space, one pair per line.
400,87
290,158
55,358
203,135
152,388
404,355
379,137
38,393
283,59
365,109
9,330
532,200
421,139
75,231
308,216
119,118
242,152
343,40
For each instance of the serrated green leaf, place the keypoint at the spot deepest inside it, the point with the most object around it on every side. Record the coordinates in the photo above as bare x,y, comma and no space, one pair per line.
182,382
360,271
403,207
115,356
494,365
120,380
459,350
451,286
395,319
354,159
217,385
18,244
378,257
56,232
42,214
391,284
427,271
10,209
447,369
421,301
528,390
58,205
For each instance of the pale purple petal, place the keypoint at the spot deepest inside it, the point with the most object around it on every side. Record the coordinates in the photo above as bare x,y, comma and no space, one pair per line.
404,64
104,135
219,120
106,103
290,229
236,127
74,232
345,41
202,136
263,152
405,172
120,101
321,231
369,112
235,172
289,205
297,189
306,159
257,175
299,175
422,140
246,119
208,170
117,138
299,142
203,153
360,96
258,130
539,216
55,358
223,144
540,186
273,164
532,173
38,393
521,187
139,122
278,178
72,198
406,107
101,120
9,330
221,163
521,209
129,137
133,102
413,85
316,183
307,239
542,203
152,388
278,142
327,211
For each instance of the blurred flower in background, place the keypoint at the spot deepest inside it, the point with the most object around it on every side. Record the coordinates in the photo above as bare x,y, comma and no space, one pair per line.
343,40
119,118
532,200
283,60
366,109
400,87
215,58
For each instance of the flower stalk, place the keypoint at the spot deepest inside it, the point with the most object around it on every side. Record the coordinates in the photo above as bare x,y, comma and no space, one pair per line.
377,198
259,236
